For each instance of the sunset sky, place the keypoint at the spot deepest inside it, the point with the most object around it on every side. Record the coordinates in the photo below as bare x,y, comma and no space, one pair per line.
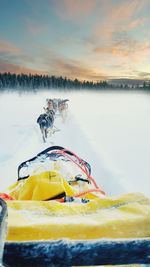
84,39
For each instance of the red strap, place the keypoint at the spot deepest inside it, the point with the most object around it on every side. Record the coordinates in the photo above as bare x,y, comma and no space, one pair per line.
84,169
5,196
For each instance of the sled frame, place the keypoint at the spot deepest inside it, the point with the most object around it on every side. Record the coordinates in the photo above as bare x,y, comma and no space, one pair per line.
47,152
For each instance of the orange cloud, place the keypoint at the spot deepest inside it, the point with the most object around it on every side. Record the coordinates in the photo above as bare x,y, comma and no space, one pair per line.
128,48
74,9
126,9
135,23
120,17
74,69
7,47
13,68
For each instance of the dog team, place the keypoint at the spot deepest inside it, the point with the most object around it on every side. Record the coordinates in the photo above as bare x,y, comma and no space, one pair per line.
54,107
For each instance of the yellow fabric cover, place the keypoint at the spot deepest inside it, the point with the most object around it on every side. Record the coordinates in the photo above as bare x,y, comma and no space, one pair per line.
111,217
43,186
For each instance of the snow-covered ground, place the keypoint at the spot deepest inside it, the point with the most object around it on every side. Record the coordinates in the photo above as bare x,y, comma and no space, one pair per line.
108,129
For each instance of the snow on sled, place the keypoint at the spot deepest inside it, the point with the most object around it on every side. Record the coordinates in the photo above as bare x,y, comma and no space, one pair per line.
59,216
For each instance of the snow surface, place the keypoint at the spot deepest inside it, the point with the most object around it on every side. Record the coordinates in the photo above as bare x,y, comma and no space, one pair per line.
110,130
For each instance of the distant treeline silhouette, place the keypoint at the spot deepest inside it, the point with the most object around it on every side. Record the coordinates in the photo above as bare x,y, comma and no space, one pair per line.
9,80
33,82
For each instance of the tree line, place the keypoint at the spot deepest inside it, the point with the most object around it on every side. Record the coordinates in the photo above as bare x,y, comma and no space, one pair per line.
34,82
9,80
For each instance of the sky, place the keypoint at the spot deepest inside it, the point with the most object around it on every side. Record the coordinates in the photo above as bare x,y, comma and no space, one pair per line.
85,39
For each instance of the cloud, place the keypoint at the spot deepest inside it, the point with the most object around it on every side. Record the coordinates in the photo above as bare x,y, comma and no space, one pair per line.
135,23
33,27
120,17
75,69
6,66
14,59
113,37
8,48
142,74
59,67
125,10
132,50
73,9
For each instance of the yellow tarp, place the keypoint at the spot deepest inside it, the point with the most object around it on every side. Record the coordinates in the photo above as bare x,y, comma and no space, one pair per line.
111,217
43,186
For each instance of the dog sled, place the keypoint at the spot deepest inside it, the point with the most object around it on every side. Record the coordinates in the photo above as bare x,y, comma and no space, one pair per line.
59,216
